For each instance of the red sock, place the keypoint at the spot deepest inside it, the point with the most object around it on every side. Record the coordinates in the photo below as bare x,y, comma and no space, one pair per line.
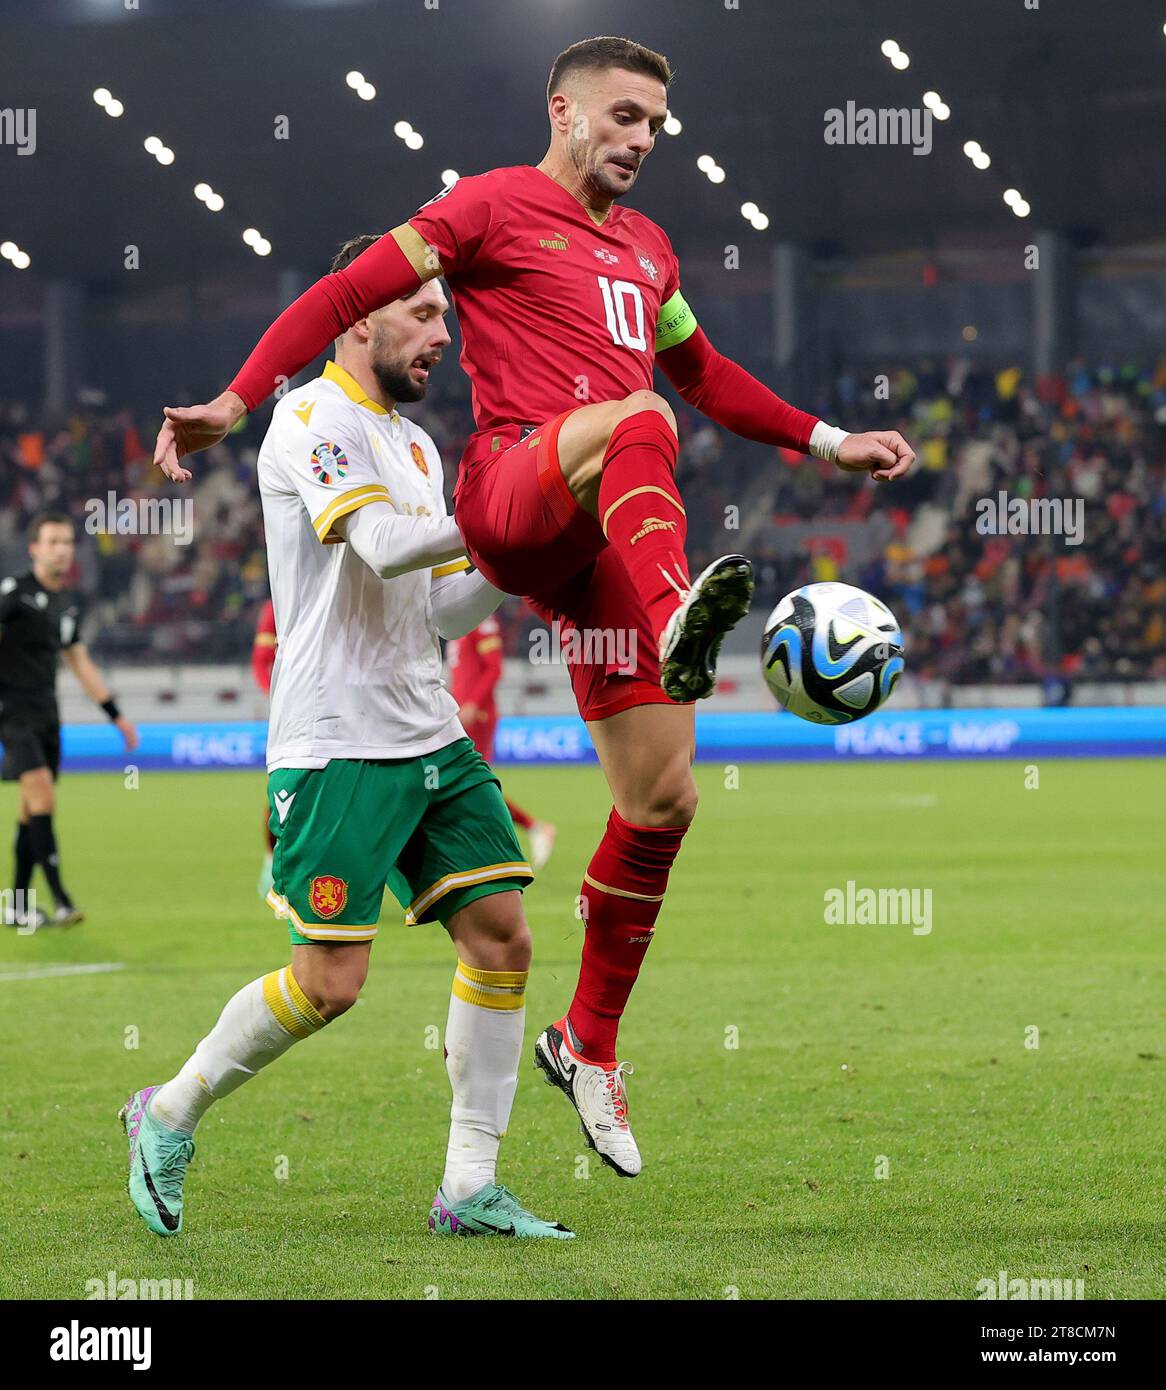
642,514
520,817
622,893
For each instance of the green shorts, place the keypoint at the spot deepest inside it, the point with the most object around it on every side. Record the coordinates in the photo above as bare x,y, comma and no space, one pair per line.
434,828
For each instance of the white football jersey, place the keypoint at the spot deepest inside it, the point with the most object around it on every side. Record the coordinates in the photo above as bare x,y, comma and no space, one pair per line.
358,668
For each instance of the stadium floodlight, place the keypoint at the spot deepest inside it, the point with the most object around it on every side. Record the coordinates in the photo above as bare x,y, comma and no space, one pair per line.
942,111
671,125
889,47
900,60
982,160
355,79
449,176
1012,196
414,140
366,91
215,202
760,222
705,163
972,148
102,96
401,129
165,155
202,191
749,211
716,174
22,260
262,247
9,249
114,108
1021,209
931,100
252,236
151,144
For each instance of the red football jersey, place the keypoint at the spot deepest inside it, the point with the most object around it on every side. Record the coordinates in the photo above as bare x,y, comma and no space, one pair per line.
556,309
475,665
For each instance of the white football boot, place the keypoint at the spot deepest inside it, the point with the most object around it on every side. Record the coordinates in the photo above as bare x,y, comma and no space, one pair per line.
598,1095
691,640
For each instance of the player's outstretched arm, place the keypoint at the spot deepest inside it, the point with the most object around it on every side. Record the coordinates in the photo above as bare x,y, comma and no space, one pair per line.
392,543
461,602
391,267
725,392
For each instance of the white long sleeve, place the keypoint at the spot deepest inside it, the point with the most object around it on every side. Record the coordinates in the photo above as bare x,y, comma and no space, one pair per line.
461,601
391,543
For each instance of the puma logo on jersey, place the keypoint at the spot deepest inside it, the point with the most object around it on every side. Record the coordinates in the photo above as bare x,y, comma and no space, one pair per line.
557,241
652,523
283,802
304,412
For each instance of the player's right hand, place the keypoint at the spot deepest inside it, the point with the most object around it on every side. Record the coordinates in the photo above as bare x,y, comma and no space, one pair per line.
189,428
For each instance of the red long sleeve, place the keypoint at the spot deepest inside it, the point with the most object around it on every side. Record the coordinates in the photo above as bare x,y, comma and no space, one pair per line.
330,307
726,393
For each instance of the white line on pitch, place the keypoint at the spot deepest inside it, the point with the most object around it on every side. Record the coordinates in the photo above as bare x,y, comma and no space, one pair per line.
44,972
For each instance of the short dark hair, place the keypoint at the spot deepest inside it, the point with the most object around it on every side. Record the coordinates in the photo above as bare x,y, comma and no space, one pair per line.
47,519
357,246
353,247
607,51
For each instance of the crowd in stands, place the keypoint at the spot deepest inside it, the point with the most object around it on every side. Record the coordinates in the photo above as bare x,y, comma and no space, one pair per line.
975,605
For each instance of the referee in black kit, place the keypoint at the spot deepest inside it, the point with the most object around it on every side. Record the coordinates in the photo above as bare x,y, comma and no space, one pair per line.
40,619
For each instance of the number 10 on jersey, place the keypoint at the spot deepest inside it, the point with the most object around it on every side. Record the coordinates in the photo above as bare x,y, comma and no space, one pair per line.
616,296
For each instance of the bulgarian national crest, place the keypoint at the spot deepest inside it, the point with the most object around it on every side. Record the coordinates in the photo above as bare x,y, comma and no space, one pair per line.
419,458
327,895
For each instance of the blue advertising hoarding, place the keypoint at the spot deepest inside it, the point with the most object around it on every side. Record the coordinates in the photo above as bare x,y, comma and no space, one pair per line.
1127,731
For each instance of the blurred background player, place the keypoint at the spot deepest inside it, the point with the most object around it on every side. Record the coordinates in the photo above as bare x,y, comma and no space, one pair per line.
475,664
262,660
40,619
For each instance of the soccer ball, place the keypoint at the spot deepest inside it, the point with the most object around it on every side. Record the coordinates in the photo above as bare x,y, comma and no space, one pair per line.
831,653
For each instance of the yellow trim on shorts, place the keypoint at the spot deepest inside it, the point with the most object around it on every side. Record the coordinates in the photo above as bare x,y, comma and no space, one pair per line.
451,567
348,502
317,931
464,878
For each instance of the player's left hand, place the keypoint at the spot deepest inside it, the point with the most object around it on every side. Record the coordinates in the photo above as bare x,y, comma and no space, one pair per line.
129,733
884,454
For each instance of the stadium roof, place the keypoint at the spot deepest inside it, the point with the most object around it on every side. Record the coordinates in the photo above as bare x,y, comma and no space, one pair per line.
1068,99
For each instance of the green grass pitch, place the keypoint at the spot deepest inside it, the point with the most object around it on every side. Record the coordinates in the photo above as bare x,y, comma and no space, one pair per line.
861,1050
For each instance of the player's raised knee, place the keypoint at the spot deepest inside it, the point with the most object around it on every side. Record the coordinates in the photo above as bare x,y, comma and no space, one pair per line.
640,401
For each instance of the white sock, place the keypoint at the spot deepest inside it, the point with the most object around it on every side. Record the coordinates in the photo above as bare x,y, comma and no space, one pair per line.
257,1025
483,1044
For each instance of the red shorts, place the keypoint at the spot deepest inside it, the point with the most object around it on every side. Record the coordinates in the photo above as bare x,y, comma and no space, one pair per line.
528,535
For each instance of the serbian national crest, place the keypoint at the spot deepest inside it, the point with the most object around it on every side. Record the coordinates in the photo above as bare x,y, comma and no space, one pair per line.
327,895
331,462
647,265
419,458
